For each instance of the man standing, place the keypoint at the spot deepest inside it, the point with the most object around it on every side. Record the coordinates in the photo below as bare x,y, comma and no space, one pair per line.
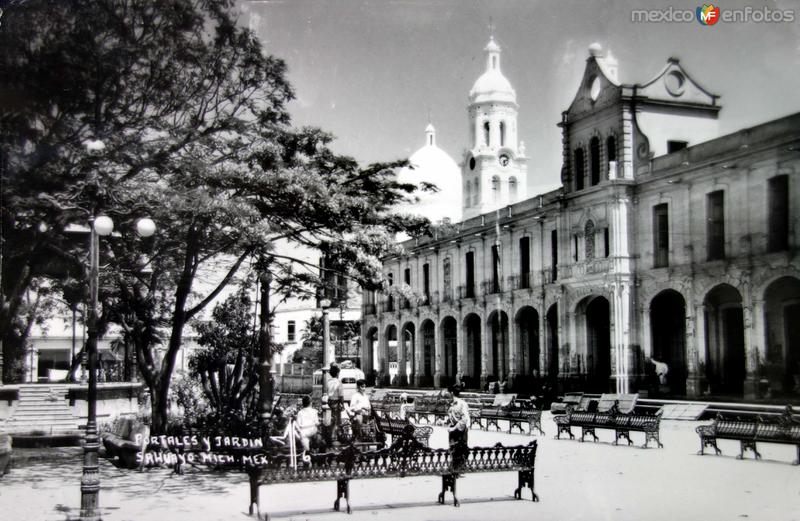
359,409
335,400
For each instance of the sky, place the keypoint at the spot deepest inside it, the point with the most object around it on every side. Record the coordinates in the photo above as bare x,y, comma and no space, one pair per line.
374,72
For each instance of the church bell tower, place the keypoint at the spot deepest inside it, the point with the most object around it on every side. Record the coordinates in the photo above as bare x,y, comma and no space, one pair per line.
495,169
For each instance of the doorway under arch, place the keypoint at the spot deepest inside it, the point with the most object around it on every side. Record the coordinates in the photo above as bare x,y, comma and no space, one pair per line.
553,363
527,329
497,326
725,357
596,311
472,336
668,337
428,336
449,335
782,331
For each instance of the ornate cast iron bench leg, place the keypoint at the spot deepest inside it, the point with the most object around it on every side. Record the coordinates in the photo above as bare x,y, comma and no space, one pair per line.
534,423
588,430
747,445
566,429
622,434
708,441
525,479
342,491
653,436
449,483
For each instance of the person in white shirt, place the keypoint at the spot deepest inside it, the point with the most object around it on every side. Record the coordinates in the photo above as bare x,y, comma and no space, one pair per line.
306,423
360,408
458,417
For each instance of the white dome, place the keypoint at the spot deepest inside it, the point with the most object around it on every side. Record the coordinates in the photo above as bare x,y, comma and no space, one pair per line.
433,165
492,86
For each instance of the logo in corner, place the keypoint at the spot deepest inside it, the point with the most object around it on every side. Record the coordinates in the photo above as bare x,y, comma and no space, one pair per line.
707,14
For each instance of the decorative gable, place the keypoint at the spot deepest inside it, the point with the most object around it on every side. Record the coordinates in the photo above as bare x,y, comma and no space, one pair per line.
599,87
673,84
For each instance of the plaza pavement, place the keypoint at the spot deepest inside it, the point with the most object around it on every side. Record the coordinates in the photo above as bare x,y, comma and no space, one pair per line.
575,481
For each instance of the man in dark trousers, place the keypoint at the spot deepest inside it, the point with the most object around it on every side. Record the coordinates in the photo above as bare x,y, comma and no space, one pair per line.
335,401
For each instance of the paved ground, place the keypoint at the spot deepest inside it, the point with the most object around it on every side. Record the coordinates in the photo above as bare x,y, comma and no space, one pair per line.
575,481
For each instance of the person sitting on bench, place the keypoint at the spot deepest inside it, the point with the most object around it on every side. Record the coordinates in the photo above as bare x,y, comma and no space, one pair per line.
306,423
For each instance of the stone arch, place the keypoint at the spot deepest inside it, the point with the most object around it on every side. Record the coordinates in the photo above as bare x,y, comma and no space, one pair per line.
497,344
473,354
594,160
593,328
781,361
448,333
725,344
580,167
551,332
526,324
512,189
668,341
371,353
392,354
427,332
406,354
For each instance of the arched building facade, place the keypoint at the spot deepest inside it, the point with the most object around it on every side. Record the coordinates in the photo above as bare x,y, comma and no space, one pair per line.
666,247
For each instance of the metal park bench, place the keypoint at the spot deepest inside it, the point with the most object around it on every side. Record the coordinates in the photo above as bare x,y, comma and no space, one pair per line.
395,427
507,407
406,457
569,402
785,429
429,409
622,424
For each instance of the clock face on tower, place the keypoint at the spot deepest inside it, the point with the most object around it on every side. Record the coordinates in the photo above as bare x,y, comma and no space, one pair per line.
504,160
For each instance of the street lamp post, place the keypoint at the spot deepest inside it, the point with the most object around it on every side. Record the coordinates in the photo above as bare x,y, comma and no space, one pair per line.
90,480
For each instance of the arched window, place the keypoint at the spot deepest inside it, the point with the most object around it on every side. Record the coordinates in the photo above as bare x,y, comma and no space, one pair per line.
512,189
588,233
611,157
594,152
486,133
494,62
502,133
468,194
476,192
579,169
495,188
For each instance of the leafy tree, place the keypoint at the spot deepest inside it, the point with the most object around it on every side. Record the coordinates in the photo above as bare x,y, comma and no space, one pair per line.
226,363
193,116
344,335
